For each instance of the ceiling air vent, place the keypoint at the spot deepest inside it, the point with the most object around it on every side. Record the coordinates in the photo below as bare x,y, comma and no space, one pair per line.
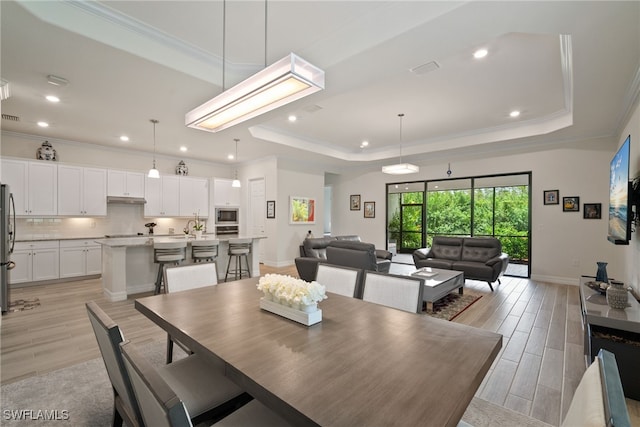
425,68
10,117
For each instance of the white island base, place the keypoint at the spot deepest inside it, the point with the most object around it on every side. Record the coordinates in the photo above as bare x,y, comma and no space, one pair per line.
128,267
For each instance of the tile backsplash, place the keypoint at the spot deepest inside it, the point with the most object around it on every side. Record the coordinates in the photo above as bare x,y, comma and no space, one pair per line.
120,219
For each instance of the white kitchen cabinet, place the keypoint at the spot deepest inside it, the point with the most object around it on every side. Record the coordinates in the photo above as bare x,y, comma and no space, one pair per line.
224,194
194,197
34,186
80,258
162,196
35,261
82,191
125,184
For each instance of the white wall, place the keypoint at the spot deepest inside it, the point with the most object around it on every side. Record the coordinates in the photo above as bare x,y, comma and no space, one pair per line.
564,245
296,180
630,255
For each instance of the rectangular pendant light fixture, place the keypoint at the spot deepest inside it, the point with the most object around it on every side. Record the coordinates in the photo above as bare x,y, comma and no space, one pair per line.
400,169
284,81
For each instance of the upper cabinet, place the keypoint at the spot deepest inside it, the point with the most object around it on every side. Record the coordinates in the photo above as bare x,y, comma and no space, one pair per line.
82,191
34,185
125,184
224,194
194,196
162,196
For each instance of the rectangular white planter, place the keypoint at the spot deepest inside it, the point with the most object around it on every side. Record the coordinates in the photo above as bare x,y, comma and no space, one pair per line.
291,313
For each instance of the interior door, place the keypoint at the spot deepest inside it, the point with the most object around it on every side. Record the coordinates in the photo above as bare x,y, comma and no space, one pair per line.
257,211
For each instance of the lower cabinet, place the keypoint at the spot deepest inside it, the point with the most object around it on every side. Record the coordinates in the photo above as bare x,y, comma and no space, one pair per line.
35,261
80,258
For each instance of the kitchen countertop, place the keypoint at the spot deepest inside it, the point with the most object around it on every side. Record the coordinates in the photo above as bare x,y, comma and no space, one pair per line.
49,237
148,240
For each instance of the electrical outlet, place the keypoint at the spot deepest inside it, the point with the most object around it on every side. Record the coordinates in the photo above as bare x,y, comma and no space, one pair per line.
171,230
93,224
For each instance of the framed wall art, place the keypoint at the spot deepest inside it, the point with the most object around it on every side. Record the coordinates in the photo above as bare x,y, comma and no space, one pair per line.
551,197
302,210
354,202
571,204
592,211
271,208
369,209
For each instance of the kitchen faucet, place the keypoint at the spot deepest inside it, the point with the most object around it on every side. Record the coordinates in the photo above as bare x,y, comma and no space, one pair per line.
186,228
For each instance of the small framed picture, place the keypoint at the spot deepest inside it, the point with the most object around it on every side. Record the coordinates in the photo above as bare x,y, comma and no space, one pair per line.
551,197
354,202
592,211
571,204
369,209
271,208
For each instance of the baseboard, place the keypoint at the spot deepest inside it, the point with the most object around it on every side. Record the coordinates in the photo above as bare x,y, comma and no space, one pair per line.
556,279
278,264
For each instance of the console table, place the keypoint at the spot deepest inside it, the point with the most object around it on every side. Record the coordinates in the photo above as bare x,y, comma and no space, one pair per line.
615,330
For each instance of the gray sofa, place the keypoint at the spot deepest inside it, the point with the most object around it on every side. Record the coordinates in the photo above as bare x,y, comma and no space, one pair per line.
480,258
347,251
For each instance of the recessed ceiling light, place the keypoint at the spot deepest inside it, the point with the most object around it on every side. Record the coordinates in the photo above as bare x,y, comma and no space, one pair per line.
52,98
292,118
480,53
230,157
124,138
183,149
43,124
514,113
364,144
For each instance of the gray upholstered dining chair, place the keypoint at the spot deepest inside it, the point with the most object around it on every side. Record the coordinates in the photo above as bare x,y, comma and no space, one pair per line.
599,398
109,337
183,278
161,405
340,280
396,291
200,383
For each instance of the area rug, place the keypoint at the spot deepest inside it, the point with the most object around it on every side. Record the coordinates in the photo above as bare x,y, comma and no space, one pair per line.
81,395
451,306
23,304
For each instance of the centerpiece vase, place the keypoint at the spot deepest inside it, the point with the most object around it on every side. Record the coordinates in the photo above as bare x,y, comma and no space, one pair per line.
617,295
601,274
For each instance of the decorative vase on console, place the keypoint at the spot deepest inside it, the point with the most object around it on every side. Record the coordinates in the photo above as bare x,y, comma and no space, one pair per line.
601,274
617,295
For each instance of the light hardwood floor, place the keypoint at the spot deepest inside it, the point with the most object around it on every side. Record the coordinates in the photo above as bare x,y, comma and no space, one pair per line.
536,372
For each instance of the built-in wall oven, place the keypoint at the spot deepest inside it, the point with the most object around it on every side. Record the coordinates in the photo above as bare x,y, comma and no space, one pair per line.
227,216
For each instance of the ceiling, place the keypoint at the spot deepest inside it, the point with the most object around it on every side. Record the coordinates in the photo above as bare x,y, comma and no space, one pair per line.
570,68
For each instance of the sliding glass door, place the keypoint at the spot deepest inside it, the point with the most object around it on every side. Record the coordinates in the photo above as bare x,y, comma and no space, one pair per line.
405,216
493,206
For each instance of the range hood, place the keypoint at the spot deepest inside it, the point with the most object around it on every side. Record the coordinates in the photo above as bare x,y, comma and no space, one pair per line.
126,200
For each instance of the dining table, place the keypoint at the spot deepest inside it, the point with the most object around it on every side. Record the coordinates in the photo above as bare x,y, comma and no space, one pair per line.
364,364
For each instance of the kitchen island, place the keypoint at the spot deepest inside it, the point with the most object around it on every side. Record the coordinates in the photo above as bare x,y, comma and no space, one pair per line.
128,267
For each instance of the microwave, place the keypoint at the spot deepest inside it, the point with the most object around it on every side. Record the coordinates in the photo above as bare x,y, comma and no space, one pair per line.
226,215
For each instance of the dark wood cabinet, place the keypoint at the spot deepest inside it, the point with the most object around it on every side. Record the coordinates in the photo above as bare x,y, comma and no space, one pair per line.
615,330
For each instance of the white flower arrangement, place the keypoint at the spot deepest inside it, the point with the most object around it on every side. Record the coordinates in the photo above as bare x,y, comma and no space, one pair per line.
291,291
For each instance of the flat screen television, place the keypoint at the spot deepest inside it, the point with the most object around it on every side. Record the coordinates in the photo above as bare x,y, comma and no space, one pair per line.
619,196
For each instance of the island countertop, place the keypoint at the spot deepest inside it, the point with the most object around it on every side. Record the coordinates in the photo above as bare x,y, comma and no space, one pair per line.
149,240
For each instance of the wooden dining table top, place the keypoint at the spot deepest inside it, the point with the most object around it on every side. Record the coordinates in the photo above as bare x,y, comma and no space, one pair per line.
363,365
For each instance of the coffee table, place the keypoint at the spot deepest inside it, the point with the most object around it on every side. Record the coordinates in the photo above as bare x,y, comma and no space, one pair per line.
440,284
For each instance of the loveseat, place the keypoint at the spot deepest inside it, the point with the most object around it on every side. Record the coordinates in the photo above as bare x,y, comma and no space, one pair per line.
480,258
347,251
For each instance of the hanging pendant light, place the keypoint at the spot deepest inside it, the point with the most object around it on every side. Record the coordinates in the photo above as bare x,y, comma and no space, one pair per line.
282,82
153,172
400,168
236,181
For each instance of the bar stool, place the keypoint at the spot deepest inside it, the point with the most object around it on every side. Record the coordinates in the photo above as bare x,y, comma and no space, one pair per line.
238,249
167,253
204,250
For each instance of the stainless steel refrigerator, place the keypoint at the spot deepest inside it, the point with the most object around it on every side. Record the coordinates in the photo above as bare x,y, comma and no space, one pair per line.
8,238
